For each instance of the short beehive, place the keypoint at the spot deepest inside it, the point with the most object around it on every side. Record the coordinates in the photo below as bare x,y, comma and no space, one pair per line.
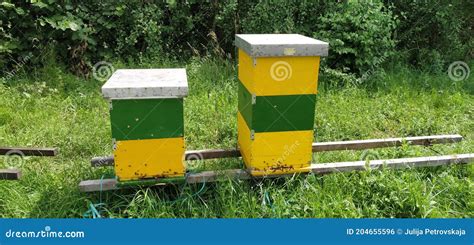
146,115
278,79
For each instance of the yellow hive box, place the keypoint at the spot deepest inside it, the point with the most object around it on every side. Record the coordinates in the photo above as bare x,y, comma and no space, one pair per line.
265,76
151,158
272,153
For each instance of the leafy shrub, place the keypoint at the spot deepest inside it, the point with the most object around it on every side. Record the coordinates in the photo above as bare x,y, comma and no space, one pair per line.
77,33
432,35
359,34
275,16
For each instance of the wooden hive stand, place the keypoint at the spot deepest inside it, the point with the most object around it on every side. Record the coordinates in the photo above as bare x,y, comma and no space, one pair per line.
15,174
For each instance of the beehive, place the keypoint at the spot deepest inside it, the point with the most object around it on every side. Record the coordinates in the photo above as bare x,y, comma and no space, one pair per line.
278,80
146,117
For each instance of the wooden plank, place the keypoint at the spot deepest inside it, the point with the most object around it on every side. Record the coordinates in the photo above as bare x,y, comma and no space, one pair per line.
26,151
317,147
212,176
102,161
399,163
98,185
389,142
210,154
10,174
189,156
322,168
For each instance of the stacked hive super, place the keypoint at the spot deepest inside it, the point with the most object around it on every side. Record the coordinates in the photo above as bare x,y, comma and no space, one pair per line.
146,115
278,76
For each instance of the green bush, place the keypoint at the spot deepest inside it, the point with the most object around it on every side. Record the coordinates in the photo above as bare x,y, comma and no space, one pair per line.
433,34
275,16
82,33
361,34
78,33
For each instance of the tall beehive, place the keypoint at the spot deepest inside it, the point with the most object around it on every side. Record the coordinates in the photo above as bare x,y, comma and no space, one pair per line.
278,76
146,115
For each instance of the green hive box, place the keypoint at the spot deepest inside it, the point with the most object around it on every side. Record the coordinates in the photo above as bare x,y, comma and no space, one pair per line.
137,119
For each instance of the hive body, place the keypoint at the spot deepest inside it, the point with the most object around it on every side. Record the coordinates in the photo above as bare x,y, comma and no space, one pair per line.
146,114
278,78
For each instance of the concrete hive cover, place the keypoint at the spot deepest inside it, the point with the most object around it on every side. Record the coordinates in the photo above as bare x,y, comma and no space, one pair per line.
273,45
146,84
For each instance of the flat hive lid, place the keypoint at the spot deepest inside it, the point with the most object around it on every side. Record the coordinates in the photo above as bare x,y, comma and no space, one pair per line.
271,45
146,83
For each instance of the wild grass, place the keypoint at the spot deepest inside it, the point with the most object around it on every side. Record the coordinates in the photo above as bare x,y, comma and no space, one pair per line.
50,107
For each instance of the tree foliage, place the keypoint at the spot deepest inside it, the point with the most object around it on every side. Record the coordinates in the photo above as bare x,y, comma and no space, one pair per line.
362,35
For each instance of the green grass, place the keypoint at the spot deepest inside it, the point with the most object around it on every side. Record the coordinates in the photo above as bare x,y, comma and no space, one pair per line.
53,108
